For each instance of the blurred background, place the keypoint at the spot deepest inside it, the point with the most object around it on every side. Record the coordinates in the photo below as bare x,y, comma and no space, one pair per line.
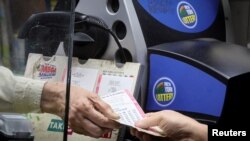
13,14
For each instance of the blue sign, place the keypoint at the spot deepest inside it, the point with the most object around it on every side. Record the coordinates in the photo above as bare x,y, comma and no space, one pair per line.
176,85
190,16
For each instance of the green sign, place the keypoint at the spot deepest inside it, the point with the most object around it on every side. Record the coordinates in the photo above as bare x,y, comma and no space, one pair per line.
56,125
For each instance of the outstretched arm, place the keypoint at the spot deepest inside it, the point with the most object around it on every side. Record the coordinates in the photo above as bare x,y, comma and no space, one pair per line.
88,115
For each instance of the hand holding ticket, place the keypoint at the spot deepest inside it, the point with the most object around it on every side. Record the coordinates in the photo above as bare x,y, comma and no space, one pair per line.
124,104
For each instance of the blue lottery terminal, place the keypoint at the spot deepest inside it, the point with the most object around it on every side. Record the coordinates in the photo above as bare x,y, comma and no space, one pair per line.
204,78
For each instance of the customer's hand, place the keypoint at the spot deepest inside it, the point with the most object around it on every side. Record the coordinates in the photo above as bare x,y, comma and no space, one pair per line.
88,114
176,127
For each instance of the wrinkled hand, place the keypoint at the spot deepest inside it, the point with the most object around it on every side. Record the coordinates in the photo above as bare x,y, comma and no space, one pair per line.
88,114
176,126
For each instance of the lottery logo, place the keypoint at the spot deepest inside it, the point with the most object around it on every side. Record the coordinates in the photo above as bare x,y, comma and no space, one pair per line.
164,91
187,14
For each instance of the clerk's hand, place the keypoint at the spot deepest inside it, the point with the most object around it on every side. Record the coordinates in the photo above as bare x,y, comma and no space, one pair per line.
88,114
175,126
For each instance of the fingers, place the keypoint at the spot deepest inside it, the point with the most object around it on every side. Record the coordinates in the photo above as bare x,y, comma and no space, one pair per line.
84,126
86,133
104,108
87,109
135,132
91,128
80,131
89,114
143,136
99,119
148,122
149,114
